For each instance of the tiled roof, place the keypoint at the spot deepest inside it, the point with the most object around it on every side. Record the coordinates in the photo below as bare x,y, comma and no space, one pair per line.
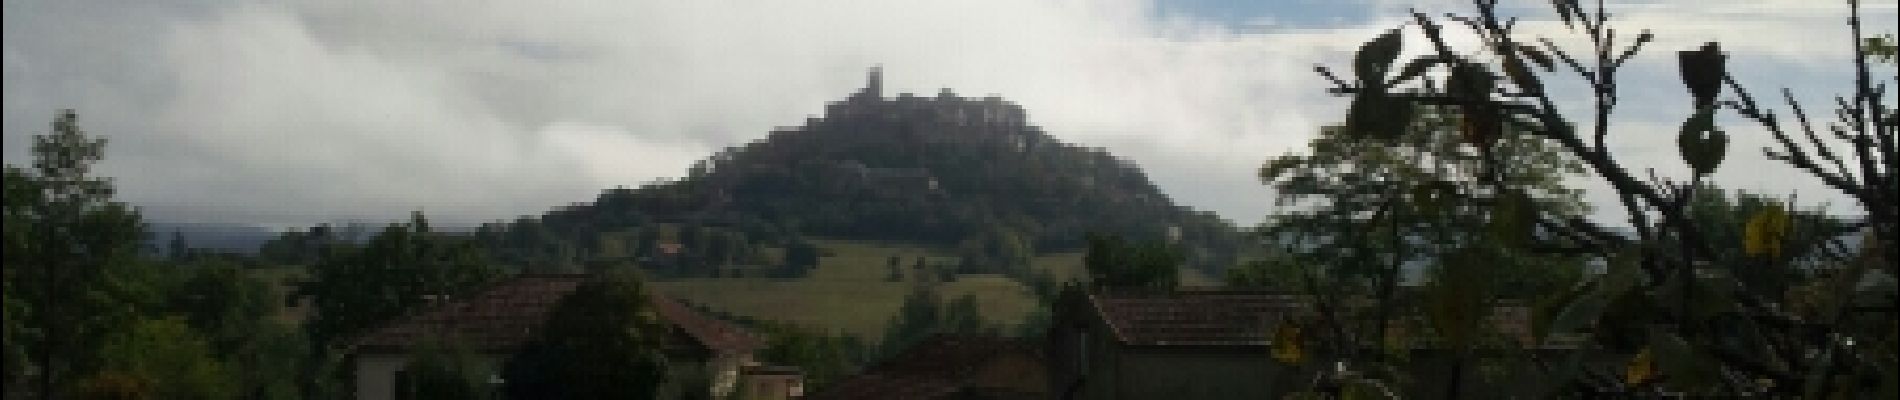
936,368
1210,316
1196,317
716,335
498,318
506,315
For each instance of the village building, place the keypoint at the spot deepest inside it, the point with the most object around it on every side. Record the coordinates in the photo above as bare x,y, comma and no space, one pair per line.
948,367
1217,343
494,322
1178,345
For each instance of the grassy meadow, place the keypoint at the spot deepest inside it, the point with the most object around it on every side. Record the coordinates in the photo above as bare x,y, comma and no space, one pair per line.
848,292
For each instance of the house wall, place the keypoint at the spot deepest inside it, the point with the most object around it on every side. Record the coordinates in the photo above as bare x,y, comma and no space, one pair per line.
1014,372
1188,373
376,373
725,372
1083,349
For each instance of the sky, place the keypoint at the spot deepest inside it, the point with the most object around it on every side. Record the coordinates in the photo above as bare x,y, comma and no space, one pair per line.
288,113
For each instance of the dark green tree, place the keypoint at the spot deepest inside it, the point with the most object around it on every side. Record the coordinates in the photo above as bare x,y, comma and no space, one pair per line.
800,257
925,313
401,268
1116,262
177,249
445,369
602,341
69,248
822,358
173,359
236,316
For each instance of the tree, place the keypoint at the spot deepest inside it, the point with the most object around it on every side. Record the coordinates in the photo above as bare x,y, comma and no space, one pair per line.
1665,302
178,249
602,341
399,269
444,369
924,313
822,358
1115,262
235,315
800,257
176,362
68,242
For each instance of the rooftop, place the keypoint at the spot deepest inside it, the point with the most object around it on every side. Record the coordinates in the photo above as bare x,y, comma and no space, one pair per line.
1196,316
507,314
936,368
498,318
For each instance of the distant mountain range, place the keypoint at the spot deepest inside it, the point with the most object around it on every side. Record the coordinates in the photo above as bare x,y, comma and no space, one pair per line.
237,238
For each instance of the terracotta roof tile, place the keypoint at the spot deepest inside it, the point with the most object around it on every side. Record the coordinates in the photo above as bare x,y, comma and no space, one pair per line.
498,318
507,314
936,368
1196,317
715,334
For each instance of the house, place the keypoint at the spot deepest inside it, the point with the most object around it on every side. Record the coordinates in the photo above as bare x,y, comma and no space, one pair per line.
950,367
1206,343
1177,345
494,322
701,343
770,382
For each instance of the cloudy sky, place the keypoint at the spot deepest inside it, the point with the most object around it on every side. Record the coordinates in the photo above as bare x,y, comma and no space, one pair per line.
295,112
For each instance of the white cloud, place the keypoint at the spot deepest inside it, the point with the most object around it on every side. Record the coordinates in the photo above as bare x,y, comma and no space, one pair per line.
315,110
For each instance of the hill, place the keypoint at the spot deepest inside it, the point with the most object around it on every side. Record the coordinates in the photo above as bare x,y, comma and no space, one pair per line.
943,171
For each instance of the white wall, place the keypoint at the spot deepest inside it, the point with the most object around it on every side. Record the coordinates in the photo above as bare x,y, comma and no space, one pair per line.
376,375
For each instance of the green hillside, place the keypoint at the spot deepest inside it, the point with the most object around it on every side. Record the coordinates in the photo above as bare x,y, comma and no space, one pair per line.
849,293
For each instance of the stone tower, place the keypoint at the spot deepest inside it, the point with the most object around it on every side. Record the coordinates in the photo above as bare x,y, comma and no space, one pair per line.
874,84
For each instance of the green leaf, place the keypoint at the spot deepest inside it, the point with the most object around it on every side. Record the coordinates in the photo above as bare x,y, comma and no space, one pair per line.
1378,116
1701,145
1375,58
1702,71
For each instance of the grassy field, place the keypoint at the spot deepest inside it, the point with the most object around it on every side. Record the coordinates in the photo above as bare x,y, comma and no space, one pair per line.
848,291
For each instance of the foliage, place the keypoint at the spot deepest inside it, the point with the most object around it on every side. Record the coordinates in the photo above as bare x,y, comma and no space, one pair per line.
602,341
924,313
178,363
235,314
69,246
1115,262
444,369
355,289
801,256
822,358
1673,289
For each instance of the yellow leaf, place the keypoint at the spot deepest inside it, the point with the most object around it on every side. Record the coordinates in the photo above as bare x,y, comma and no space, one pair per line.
1765,232
1641,369
1286,343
